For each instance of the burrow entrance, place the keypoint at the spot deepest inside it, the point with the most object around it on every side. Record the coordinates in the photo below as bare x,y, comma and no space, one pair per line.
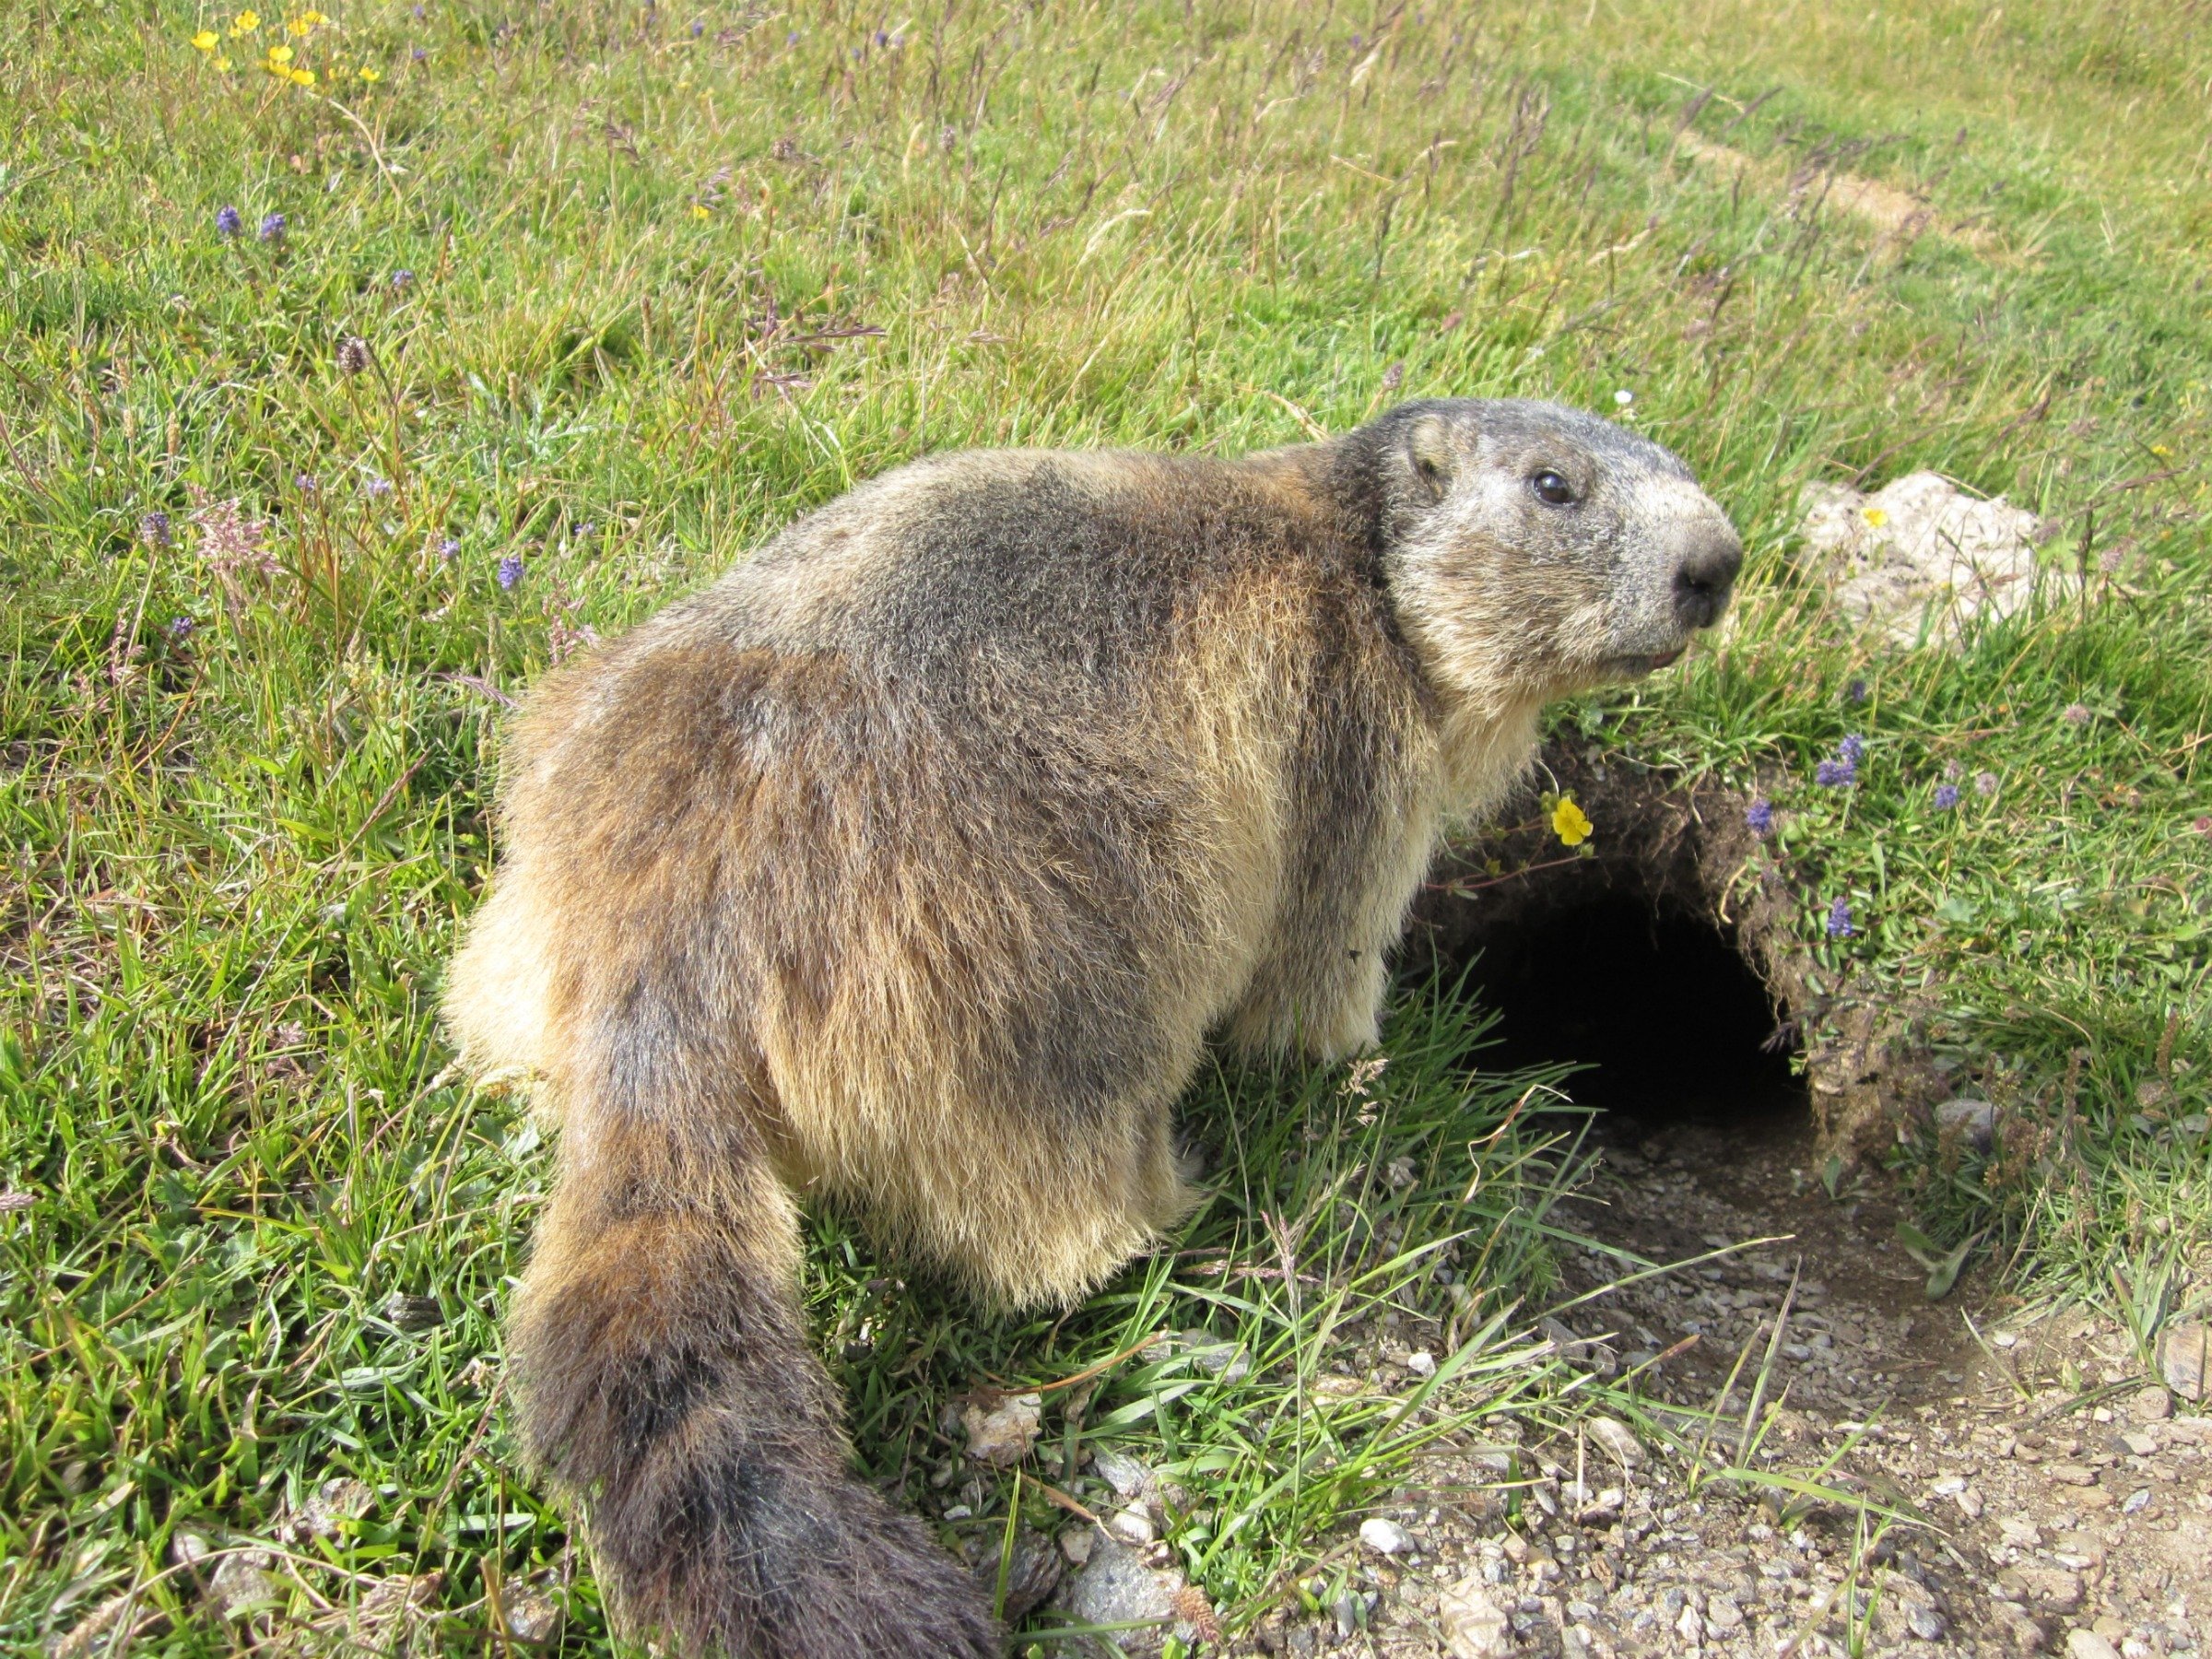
1657,968
1619,961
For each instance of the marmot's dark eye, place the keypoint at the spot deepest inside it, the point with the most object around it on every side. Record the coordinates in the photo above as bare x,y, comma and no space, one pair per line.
1551,489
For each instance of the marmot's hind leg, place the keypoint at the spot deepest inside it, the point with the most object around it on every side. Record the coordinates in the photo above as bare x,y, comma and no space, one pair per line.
1059,1215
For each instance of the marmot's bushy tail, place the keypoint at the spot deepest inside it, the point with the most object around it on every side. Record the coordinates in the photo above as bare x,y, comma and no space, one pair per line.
665,1381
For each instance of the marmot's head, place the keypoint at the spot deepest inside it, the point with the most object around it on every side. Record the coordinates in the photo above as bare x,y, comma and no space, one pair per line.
1533,550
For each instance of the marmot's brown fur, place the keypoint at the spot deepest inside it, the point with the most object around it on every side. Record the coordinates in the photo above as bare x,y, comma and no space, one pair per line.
912,864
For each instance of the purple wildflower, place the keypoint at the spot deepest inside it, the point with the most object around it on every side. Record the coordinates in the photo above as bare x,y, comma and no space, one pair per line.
883,37
1760,817
154,531
403,279
353,356
2075,714
791,38
305,483
1853,749
511,570
273,228
1838,920
698,29
228,223
179,628
1856,692
1946,797
419,53
1986,783
1835,775
449,549
378,488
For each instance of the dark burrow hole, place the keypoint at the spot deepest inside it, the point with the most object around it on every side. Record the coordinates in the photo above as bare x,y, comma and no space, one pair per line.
1673,1028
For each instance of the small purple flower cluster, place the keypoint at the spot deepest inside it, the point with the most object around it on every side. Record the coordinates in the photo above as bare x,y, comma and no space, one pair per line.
1946,797
154,530
510,572
1838,920
1844,771
273,228
1760,817
228,223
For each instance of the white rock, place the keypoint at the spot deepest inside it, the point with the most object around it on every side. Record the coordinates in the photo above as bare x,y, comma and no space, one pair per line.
1132,1525
1002,1437
1076,1544
1473,1625
1618,1439
1385,1536
2088,1644
1422,1364
1920,544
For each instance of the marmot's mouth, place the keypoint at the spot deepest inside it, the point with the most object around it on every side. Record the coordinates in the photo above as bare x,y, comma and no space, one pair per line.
1635,667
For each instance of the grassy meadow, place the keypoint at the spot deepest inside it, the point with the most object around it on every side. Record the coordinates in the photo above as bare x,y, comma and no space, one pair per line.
634,285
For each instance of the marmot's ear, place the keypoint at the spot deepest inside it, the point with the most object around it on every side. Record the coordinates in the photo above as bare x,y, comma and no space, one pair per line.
1429,452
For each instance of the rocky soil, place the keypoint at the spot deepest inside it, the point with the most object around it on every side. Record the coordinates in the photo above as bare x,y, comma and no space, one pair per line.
2050,1493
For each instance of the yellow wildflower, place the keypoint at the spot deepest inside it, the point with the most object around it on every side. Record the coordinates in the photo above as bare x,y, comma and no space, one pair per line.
281,56
372,75
222,63
304,77
245,23
207,40
2161,451
299,26
1875,516
700,210
312,18
1569,823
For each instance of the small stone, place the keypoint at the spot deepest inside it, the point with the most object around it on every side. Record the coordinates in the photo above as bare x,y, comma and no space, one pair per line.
2153,1405
1972,1122
2185,1359
1120,1471
1422,1364
1118,1588
188,1549
2072,1474
1925,1621
2088,1644
331,1507
1002,1437
1133,1527
533,1617
1691,1627
2054,1587
1033,1572
1723,1614
1075,1543
1619,1442
1385,1536
1473,1625
242,1584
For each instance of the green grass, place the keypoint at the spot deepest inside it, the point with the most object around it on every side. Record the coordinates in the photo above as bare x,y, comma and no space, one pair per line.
670,290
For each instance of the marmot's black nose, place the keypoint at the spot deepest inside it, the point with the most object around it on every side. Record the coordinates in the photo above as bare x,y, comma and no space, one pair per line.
1705,576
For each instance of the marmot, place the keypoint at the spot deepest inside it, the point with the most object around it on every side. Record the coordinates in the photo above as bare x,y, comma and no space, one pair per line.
912,864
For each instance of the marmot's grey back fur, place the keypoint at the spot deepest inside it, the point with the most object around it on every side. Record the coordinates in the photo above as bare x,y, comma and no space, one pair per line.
912,863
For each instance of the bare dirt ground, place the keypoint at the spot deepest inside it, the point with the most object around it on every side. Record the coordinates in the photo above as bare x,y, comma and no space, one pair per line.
2054,1499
